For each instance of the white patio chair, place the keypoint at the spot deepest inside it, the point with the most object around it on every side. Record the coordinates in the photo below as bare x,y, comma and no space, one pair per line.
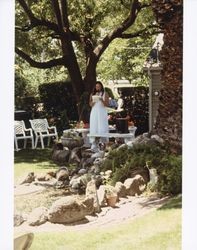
22,133
41,129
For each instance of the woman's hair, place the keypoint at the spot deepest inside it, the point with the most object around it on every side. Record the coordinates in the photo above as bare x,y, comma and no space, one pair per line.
94,89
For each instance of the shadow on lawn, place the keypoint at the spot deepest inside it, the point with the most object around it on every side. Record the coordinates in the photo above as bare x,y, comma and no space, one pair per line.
175,202
33,155
164,203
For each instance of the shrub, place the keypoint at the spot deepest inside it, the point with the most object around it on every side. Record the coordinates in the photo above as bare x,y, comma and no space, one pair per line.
25,96
115,159
170,175
126,162
59,103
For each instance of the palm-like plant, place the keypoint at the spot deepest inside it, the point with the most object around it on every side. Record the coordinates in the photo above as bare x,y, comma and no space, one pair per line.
169,15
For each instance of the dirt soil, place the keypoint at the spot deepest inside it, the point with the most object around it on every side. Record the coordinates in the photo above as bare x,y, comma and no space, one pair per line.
126,209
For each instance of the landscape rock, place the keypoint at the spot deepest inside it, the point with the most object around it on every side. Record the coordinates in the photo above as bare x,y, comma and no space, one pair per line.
38,216
28,179
121,189
134,185
101,195
60,154
70,209
91,192
18,219
62,174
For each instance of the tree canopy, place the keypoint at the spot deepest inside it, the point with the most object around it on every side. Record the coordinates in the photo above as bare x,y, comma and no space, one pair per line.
76,34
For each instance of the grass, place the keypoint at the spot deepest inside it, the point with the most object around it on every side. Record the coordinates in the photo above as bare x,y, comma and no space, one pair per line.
159,230
32,160
26,203
37,161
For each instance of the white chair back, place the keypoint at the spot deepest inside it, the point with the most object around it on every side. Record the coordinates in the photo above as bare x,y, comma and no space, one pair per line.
19,127
42,130
22,133
40,125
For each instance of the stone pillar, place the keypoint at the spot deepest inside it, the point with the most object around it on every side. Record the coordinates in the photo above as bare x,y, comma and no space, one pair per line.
154,73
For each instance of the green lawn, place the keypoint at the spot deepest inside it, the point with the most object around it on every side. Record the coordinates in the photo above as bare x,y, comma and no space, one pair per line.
158,230
32,160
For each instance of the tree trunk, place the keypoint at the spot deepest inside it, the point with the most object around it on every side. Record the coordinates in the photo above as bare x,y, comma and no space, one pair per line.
169,119
89,83
70,60
75,75
90,76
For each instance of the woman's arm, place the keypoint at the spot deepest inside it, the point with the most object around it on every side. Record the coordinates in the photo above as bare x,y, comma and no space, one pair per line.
91,103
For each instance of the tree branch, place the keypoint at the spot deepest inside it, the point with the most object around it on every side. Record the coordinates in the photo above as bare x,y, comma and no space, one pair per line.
41,65
37,22
134,10
140,32
135,7
57,14
27,9
34,21
64,10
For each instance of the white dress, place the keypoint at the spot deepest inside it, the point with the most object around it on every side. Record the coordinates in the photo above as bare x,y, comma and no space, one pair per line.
99,120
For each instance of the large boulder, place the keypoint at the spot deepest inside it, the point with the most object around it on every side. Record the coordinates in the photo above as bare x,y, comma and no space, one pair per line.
70,209
134,186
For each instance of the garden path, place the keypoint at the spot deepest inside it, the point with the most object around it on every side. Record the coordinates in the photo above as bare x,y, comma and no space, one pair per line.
126,210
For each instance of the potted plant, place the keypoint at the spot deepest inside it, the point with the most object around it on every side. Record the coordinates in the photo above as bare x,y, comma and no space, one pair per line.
111,195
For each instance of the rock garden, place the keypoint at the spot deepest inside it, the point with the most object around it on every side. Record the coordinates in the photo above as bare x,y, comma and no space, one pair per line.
86,183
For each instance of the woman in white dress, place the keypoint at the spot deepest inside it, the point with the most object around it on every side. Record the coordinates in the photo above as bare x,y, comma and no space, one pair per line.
99,100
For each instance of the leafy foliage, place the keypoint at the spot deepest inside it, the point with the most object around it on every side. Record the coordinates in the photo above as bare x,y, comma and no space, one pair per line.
170,174
126,59
93,20
23,89
59,103
35,77
126,161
